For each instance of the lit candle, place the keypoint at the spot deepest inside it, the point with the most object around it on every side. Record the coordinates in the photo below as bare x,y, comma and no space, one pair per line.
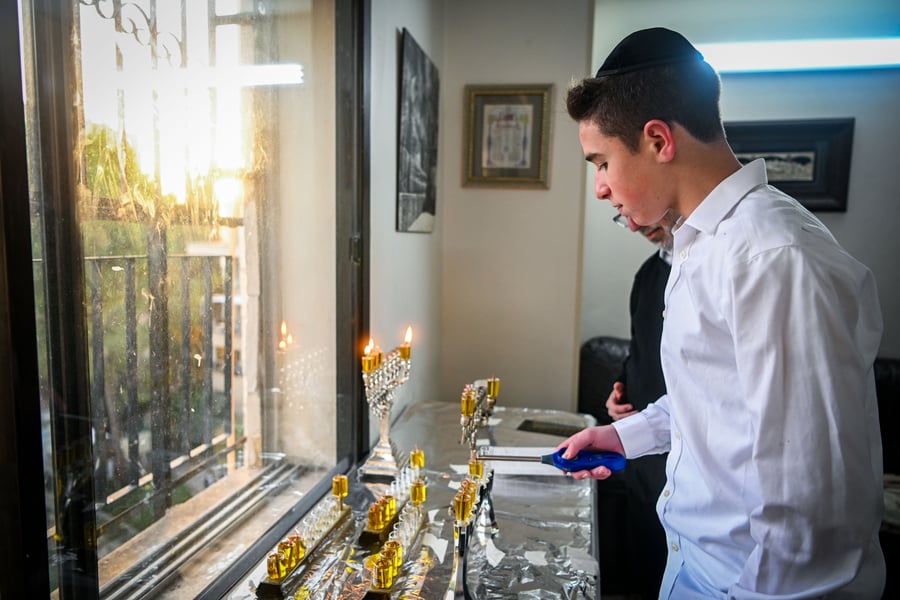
405,347
286,338
368,359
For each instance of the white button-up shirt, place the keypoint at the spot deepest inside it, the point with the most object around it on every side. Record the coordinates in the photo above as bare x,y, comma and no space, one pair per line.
774,471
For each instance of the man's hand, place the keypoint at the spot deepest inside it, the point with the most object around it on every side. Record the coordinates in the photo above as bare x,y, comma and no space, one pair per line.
599,438
616,405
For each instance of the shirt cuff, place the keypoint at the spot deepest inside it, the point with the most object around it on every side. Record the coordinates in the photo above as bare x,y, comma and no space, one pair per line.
636,435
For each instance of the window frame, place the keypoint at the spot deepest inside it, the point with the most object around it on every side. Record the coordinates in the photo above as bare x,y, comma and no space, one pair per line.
25,551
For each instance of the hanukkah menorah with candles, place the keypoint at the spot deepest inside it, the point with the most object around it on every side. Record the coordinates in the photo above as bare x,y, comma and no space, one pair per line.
284,563
468,503
382,375
473,501
396,551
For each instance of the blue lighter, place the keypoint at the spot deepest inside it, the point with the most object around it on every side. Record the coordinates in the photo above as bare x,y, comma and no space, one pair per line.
584,460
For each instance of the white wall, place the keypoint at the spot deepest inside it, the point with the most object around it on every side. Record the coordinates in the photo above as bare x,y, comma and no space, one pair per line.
405,286
868,230
494,289
497,287
511,258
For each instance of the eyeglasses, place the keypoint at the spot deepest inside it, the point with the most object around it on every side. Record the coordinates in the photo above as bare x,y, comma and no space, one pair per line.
621,220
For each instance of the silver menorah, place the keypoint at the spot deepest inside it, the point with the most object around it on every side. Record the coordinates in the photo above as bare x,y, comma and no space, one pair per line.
382,376
477,405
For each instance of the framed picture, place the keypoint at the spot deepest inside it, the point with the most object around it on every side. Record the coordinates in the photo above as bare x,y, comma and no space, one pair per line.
807,159
507,135
417,139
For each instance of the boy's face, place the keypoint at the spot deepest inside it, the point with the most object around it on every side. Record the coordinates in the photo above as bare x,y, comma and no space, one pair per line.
630,181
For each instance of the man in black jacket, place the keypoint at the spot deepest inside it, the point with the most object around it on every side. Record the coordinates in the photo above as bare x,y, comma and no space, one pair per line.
640,554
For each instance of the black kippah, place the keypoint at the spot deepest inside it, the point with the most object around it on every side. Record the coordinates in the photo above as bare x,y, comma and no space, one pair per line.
648,48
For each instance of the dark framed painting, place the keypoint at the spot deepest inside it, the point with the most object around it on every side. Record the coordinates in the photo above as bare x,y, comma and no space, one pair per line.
808,159
507,135
417,139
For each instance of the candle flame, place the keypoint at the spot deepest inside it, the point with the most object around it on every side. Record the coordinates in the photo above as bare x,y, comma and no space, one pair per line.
283,328
369,347
290,340
408,338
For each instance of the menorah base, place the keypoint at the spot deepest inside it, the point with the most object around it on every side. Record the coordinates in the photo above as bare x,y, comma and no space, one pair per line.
383,465
458,588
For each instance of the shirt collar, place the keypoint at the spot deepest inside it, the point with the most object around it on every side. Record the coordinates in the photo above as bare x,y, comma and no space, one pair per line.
665,253
725,196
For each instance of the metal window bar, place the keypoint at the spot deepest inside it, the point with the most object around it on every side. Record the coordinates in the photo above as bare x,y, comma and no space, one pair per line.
131,377
228,324
98,402
124,488
208,352
184,442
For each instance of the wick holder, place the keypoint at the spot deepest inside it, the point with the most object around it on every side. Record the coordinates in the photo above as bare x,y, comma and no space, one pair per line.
476,407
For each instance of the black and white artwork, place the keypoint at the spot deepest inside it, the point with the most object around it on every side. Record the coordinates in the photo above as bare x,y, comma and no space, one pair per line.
808,159
417,143
784,166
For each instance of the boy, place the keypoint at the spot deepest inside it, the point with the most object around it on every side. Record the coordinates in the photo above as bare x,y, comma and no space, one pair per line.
774,474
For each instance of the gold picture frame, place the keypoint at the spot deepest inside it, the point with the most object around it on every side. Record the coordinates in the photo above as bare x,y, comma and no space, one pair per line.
507,136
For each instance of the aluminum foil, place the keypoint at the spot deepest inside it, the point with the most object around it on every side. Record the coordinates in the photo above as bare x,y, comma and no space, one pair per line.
542,547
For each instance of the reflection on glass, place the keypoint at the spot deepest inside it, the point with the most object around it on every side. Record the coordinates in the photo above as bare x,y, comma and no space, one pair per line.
204,170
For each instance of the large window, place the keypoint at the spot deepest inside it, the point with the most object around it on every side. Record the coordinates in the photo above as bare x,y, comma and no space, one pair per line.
197,280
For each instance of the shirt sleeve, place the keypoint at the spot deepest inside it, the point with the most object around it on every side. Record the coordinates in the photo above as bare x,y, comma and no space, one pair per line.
646,432
806,329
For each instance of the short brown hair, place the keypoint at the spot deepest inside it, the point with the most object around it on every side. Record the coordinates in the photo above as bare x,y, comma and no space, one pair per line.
686,93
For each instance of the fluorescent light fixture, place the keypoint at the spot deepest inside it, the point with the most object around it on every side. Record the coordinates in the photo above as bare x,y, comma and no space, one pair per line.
259,75
221,77
802,55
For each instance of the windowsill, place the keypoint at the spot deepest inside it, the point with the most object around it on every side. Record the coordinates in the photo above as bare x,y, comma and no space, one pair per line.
196,568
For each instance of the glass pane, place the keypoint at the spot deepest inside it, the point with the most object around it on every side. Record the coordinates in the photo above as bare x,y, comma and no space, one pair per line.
203,139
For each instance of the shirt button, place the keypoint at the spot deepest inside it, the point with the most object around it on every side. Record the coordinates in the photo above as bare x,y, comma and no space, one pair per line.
675,547
666,493
677,435
683,254
664,313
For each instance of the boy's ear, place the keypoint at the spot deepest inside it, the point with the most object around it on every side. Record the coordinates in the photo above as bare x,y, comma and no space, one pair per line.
659,137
